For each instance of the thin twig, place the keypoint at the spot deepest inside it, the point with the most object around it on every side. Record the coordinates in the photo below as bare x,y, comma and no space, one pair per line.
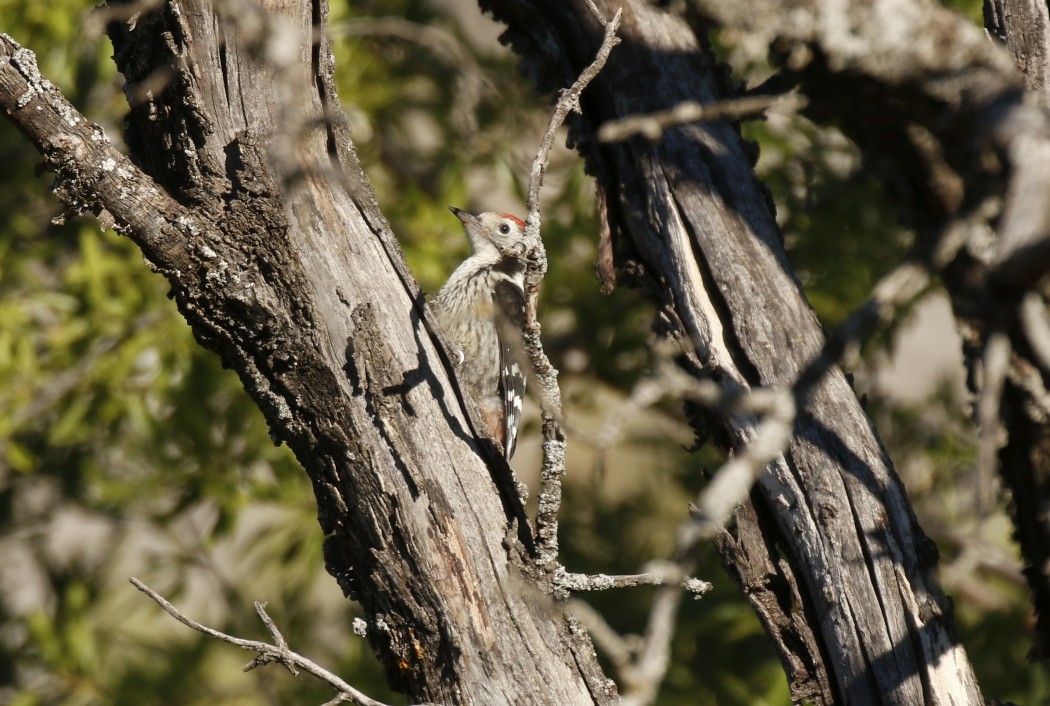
995,364
570,582
642,679
567,102
597,13
266,653
553,468
1036,324
337,699
642,662
278,639
652,125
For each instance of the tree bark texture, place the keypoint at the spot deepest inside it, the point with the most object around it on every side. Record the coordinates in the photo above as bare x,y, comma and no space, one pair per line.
1024,460
831,535
244,191
941,115
1025,469
1024,26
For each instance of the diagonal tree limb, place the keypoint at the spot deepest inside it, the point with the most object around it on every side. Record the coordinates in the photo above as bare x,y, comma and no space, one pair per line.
279,652
692,227
652,126
287,276
90,174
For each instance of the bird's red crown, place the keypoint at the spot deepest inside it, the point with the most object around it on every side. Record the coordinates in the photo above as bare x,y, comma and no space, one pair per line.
513,218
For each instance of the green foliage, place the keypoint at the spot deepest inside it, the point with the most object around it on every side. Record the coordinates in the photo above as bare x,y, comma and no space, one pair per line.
974,9
125,449
839,228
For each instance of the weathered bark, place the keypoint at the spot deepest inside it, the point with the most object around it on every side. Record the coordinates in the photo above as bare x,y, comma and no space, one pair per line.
751,557
1025,470
1024,26
244,191
688,213
941,115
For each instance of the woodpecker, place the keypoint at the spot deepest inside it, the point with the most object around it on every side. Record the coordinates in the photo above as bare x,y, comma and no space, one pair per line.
481,309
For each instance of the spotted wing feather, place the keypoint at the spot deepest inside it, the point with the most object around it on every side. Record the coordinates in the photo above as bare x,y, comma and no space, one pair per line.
510,311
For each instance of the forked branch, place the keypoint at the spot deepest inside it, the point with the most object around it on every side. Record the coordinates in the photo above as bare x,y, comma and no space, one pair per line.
278,652
553,469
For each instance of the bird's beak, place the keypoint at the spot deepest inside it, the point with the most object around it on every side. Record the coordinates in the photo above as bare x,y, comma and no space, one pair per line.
465,216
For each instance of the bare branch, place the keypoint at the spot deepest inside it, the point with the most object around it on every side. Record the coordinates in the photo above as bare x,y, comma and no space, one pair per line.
995,364
90,174
337,699
565,581
597,13
568,101
1036,322
267,653
643,678
652,125
278,639
553,468
641,666
732,482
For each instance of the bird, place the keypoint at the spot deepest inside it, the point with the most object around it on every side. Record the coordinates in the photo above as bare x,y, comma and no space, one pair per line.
481,310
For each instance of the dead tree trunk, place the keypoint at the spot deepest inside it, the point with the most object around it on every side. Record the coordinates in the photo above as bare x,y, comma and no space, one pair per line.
243,190
1024,460
829,553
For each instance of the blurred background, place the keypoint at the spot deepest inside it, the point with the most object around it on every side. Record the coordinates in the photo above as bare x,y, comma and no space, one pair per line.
125,449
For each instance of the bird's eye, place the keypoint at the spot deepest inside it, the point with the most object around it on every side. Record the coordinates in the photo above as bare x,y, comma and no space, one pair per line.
504,228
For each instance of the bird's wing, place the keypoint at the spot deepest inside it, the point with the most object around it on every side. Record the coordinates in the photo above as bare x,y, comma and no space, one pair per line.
510,317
